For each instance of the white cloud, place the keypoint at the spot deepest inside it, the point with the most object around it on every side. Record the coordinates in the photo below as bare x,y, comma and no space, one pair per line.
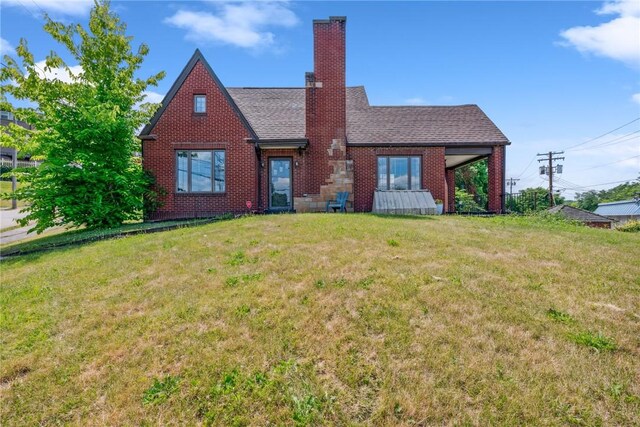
153,97
636,98
57,73
617,39
620,7
240,24
6,48
62,7
415,101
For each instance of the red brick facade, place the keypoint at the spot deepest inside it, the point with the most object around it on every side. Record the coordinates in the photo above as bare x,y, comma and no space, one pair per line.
495,166
365,165
326,165
179,128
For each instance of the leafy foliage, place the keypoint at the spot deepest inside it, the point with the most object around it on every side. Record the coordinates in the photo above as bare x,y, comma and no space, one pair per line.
473,179
466,202
531,200
560,316
160,390
84,129
630,227
589,200
596,341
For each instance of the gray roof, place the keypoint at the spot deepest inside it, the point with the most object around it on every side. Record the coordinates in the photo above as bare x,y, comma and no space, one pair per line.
621,208
578,214
279,113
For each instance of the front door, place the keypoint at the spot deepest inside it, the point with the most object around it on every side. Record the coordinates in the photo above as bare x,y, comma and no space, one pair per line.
280,194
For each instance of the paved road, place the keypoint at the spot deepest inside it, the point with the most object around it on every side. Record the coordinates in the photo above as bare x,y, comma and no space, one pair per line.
8,219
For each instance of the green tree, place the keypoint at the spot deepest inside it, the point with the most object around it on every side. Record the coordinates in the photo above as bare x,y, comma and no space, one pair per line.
465,202
532,200
84,130
589,200
474,180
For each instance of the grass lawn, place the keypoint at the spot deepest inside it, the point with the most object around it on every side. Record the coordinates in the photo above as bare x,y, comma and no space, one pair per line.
327,320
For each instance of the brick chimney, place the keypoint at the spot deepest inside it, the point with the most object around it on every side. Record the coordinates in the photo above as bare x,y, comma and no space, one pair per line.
326,119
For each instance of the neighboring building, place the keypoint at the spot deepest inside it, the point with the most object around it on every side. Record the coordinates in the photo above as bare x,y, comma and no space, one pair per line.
8,154
213,149
588,218
622,211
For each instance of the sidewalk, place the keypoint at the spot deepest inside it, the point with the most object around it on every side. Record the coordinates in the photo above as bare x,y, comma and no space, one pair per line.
8,219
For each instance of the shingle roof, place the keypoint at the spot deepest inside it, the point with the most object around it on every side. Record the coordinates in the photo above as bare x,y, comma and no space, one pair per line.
449,125
621,208
279,113
578,214
273,112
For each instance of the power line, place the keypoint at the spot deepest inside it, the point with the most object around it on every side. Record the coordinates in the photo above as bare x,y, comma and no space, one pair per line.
587,187
527,167
604,134
607,164
620,139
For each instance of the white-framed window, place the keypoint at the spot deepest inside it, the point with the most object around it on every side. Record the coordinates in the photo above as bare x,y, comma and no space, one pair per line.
199,103
200,171
399,172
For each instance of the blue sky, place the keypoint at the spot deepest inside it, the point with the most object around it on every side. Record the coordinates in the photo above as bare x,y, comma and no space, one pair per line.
551,75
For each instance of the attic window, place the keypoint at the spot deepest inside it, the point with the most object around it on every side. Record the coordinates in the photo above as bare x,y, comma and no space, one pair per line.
199,103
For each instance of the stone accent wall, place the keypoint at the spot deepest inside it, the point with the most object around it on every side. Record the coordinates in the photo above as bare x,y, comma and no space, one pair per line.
340,179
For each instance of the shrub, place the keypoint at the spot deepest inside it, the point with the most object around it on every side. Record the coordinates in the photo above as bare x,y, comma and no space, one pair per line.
630,227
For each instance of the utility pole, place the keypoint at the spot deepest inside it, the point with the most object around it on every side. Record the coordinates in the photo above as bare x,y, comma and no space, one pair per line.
548,170
511,182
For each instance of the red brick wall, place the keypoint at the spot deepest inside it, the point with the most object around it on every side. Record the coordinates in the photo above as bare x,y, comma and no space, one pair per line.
598,224
495,165
450,202
365,165
325,105
220,128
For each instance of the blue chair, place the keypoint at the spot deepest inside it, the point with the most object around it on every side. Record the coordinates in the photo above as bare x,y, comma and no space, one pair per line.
340,204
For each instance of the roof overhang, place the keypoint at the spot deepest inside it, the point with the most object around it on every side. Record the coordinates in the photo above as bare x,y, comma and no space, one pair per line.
280,144
456,157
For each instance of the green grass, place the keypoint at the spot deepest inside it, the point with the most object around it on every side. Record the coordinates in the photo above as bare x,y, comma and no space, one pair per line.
317,319
5,187
61,237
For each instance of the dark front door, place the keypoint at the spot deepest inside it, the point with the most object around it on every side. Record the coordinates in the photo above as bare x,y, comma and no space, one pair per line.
280,194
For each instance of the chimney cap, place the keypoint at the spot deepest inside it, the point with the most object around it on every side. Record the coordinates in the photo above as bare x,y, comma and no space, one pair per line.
330,20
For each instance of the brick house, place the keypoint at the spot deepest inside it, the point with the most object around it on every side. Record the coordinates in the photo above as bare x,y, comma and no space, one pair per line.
213,148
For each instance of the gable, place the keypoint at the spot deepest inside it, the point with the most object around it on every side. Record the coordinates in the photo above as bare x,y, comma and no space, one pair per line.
196,63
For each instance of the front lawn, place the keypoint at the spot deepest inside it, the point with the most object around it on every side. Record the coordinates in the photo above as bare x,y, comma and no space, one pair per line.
320,319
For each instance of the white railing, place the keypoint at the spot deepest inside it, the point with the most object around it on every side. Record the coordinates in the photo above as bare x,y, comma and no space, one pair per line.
21,163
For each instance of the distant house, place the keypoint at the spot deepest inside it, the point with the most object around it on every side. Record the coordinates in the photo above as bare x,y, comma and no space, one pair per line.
622,211
588,218
7,155
217,149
